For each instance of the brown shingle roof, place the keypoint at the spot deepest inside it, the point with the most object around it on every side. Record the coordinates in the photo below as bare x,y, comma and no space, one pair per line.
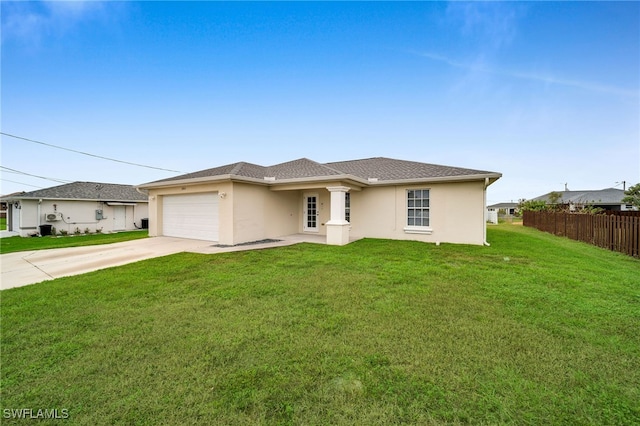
302,168
390,169
87,191
384,169
238,169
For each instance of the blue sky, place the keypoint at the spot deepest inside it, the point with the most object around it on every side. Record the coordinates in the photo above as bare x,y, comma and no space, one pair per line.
546,93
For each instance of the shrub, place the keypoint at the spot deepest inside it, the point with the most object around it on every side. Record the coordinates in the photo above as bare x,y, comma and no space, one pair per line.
532,205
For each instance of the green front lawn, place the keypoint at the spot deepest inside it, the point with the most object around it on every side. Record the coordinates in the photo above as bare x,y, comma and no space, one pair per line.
535,329
13,244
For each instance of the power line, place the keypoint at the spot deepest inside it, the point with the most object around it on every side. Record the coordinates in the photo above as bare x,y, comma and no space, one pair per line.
39,177
88,154
21,183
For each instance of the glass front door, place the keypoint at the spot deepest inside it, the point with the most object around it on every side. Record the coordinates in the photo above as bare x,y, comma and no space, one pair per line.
311,213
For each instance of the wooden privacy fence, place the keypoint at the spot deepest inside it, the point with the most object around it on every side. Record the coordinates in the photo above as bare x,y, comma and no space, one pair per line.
615,232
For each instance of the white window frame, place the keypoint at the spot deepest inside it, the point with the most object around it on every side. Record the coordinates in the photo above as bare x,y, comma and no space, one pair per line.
347,207
305,206
410,204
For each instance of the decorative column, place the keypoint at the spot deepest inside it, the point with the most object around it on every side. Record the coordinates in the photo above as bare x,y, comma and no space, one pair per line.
337,226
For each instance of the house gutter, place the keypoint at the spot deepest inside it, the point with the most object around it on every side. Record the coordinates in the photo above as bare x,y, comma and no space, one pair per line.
39,210
487,177
258,181
77,199
487,182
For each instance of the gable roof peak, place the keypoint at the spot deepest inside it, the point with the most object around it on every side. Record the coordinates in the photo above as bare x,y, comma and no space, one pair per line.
300,168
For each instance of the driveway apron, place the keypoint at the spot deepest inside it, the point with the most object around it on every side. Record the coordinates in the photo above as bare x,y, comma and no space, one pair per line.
30,267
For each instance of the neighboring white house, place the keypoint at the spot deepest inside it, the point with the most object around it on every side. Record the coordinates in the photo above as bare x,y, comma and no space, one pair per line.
608,199
506,209
501,210
79,206
374,197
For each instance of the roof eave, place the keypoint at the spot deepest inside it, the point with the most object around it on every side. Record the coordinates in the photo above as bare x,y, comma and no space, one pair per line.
314,179
75,199
258,181
440,179
180,182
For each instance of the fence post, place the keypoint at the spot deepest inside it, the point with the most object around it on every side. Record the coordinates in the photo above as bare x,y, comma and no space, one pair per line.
616,232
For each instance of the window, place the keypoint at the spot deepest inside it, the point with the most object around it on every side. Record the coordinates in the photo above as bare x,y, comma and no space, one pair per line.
418,207
347,207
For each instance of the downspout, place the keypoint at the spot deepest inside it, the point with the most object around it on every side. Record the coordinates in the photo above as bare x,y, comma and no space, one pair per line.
149,199
39,216
484,220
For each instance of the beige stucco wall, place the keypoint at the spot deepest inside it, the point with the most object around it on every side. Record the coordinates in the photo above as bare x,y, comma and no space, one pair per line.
75,214
225,206
249,212
260,213
456,213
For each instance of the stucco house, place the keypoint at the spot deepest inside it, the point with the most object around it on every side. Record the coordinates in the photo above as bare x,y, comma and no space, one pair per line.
607,199
342,201
79,205
507,209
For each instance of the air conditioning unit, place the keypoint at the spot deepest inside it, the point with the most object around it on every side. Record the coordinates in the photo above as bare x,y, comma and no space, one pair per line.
52,217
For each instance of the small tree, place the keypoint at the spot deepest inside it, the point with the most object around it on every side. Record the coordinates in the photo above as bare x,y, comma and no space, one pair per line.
532,205
632,195
554,197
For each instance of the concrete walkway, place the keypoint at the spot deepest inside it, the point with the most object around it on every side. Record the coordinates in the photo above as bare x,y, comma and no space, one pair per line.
30,267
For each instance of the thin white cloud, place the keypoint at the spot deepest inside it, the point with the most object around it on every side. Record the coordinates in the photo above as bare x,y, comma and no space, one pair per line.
30,22
491,24
539,77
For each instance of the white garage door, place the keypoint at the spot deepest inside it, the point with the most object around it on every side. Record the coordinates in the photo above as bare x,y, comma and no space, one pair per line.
191,216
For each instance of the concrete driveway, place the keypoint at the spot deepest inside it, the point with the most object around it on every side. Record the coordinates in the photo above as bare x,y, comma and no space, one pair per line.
29,267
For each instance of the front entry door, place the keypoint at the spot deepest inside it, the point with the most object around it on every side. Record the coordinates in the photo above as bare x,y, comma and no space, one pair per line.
310,213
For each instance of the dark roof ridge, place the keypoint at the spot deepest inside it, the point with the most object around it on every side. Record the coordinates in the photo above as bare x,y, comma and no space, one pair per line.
236,168
304,167
239,166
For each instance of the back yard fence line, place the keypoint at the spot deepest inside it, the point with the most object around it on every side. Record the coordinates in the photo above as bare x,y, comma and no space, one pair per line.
615,232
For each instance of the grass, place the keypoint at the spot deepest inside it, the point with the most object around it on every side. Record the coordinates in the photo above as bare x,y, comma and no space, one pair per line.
13,244
535,329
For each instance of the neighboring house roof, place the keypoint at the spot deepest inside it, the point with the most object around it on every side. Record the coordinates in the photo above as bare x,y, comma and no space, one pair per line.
93,191
503,206
379,169
602,196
